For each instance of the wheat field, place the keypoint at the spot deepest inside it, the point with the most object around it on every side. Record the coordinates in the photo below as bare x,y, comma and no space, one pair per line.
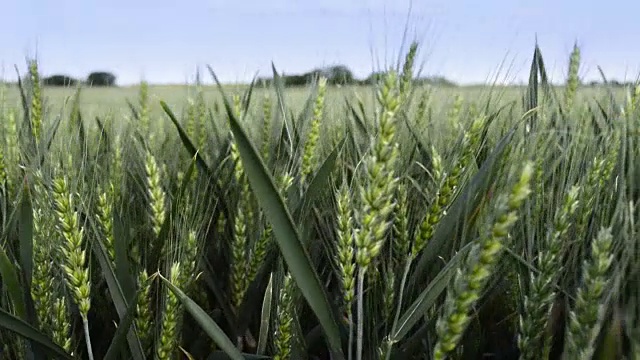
392,221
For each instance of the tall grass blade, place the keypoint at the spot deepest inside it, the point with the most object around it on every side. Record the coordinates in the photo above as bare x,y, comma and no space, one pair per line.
122,263
116,348
11,284
117,295
46,145
25,223
186,141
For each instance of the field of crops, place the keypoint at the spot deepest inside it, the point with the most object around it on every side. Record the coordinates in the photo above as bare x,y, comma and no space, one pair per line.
385,222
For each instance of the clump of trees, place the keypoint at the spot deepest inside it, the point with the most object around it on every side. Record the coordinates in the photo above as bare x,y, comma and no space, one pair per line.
97,78
101,78
59,80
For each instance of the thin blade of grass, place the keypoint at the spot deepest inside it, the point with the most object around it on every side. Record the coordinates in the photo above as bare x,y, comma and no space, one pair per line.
76,116
281,127
26,109
264,318
358,120
117,342
429,296
246,99
186,141
46,145
530,100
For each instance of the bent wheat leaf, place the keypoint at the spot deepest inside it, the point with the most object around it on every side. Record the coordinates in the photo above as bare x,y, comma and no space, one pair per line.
15,325
429,296
286,234
120,336
208,325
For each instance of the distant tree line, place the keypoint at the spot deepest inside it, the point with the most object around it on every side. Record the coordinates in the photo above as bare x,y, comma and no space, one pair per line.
342,75
335,75
613,83
97,78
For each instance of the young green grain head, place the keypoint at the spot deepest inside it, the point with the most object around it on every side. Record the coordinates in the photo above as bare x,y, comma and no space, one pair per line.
36,101
171,317
243,219
144,115
191,123
345,251
378,188
585,319
144,318
455,113
157,197
202,115
309,152
189,258
537,305
116,171
239,258
421,110
406,79
75,264
283,337
572,77
11,137
105,216
61,325
43,284
448,187
470,281
266,125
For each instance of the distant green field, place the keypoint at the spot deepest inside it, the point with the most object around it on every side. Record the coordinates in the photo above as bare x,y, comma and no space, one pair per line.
100,101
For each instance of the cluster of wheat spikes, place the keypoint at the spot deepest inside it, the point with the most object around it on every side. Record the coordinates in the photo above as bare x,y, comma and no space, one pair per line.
416,223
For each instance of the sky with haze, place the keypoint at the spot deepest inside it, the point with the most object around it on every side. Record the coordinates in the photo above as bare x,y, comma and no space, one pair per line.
467,41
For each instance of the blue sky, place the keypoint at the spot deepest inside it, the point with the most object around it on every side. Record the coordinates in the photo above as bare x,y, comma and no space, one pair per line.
465,40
